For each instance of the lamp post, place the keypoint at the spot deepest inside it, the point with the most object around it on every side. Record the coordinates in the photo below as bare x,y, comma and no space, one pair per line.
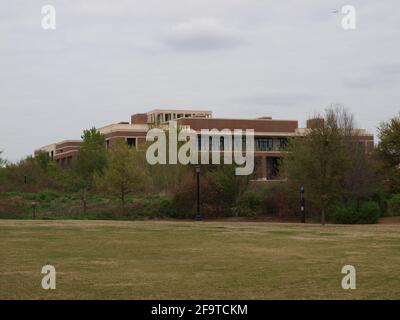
34,204
198,215
302,206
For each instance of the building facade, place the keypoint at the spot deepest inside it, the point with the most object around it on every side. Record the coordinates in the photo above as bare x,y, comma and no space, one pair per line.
270,135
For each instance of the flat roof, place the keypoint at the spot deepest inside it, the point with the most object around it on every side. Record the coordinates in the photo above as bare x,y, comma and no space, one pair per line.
178,110
238,119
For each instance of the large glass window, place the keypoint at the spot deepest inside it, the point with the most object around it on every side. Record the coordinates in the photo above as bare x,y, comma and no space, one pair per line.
264,144
281,143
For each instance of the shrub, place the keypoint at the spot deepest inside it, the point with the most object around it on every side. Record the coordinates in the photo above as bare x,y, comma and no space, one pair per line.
394,205
46,195
250,204
220,189
348,213
167,207
369,212
344,214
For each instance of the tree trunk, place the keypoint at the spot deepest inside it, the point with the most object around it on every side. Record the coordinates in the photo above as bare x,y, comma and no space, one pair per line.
84,200
323,216
123,202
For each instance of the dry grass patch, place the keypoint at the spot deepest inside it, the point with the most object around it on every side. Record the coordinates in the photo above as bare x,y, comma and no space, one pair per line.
197,260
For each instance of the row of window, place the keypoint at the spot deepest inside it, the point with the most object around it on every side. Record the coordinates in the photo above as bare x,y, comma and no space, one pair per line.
164,117
260,144
130,141
270,144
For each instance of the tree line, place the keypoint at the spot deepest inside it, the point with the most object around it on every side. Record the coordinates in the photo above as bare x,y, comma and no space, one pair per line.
343,181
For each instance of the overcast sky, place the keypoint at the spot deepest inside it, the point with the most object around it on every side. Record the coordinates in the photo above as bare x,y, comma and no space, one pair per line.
239,58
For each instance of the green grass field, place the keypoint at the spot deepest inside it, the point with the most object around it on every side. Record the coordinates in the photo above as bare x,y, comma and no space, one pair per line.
197,260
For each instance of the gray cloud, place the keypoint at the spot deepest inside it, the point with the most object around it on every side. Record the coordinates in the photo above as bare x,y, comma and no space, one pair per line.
286,99
202,34
376,76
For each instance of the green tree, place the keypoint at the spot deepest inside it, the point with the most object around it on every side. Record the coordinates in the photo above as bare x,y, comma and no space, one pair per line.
92,159
166,177
389,145
333,163
24,175
318,161
43,159
389,151
126,172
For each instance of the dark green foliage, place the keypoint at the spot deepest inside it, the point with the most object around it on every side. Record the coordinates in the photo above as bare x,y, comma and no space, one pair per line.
125,172
394,205
332,164
43,159
250,204
389,145
369,212
168,207
272,199
349,213
92,156
53,205
389,151
318,161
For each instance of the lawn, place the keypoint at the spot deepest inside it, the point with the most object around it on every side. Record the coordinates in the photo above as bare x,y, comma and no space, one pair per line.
197,260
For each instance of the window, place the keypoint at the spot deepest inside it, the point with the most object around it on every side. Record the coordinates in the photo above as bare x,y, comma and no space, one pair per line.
131,142
261,144
222,143
281,143
199,142
264,144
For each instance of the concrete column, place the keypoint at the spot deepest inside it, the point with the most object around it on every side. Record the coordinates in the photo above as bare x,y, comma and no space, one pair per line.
264,167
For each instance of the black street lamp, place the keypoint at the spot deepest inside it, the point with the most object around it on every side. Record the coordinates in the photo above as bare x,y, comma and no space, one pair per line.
198,216
34,204
302,206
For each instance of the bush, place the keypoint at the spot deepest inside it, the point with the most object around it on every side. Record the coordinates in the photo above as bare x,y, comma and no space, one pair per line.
46,195
220,189
167,207
394,205
369,212
250,204
344,214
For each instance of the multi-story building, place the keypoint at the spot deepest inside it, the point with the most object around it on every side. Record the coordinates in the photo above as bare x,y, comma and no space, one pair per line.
270,135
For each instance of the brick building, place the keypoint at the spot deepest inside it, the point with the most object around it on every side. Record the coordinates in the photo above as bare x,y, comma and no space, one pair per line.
270,135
